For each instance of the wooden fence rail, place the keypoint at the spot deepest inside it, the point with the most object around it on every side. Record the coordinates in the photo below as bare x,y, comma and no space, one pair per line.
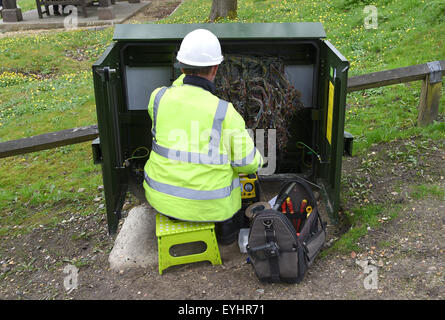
430,73
48,141
395,76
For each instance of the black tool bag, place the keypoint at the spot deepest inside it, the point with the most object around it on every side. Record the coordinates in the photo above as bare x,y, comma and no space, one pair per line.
275,250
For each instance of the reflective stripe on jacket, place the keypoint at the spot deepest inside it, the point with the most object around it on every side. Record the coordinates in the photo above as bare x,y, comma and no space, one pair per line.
200,145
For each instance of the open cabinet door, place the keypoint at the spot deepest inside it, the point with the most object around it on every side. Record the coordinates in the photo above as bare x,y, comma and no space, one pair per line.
108,92
333,83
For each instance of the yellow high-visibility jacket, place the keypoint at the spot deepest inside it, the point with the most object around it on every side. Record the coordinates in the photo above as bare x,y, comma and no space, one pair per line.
200,146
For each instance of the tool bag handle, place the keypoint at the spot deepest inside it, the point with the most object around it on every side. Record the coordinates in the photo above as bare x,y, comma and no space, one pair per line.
282,194
273,261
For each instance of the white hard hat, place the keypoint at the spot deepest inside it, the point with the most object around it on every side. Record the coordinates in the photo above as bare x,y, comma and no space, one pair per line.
199,48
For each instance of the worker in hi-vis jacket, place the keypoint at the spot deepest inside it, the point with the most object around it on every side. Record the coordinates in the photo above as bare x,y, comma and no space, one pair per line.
200,142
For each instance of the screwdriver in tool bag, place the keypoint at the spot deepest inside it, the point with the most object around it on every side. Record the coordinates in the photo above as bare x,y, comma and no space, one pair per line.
283,208
291,209
302,209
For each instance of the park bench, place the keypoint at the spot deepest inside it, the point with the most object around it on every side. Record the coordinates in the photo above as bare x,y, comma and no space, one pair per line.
47,3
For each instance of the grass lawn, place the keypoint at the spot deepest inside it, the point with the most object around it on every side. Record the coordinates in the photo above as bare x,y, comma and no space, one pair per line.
46,85
26,5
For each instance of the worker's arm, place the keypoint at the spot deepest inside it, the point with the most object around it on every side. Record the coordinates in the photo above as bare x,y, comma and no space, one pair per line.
244,157
151,102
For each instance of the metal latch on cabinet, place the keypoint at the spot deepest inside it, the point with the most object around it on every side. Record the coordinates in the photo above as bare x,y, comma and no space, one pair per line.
97,152
106,73
348,141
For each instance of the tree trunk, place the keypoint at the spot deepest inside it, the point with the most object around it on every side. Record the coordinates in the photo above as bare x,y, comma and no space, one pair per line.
223,9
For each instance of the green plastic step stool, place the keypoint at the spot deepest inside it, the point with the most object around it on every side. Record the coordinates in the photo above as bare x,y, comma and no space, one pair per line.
175,232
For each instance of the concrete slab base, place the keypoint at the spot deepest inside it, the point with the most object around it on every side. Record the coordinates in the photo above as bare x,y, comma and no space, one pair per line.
136,244
121,11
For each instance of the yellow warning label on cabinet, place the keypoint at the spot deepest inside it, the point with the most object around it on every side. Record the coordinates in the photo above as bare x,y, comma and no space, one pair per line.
330,112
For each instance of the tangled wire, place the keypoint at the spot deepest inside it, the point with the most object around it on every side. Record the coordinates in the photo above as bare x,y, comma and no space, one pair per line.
259,91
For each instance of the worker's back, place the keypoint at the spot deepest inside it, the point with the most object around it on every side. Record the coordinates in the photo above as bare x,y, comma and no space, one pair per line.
189,175
200,142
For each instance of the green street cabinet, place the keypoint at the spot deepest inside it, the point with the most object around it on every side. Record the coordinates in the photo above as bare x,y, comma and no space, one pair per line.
141,59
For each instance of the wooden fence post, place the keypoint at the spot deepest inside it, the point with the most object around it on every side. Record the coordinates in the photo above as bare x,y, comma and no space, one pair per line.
430,95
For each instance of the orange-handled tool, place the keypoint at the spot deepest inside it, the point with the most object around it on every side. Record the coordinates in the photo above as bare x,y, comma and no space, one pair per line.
290,205
291,209
283,208
303,205
302,209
